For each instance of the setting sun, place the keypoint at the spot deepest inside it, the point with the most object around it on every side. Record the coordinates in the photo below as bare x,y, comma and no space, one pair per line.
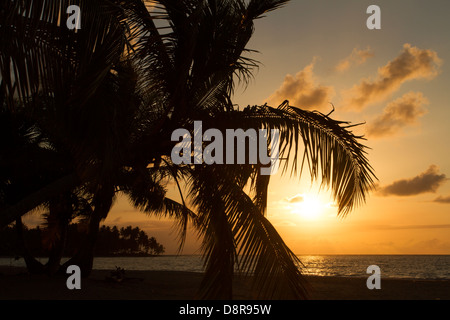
310,207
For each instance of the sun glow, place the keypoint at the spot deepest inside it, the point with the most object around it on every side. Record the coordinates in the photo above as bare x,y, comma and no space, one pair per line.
310,208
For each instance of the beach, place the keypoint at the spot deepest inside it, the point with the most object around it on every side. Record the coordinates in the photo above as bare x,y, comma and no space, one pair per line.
16,283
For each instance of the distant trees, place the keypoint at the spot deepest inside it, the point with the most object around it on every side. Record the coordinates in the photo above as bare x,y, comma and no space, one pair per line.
126,241
111,241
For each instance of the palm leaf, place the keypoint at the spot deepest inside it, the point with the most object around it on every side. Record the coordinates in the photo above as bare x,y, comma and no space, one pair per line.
39,53
231,219
236,234
333,154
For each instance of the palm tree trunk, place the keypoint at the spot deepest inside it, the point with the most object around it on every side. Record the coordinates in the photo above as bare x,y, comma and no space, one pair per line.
33,265
59,217
56,252
84,258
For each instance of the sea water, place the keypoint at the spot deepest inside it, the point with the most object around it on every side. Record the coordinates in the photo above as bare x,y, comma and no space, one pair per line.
392,266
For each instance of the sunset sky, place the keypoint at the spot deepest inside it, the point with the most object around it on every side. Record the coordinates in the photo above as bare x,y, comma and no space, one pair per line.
396,81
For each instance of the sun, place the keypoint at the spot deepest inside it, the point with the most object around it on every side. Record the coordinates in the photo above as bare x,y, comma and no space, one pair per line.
310,208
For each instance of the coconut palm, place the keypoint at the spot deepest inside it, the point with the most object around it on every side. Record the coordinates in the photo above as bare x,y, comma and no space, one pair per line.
66,87
191,65
132,75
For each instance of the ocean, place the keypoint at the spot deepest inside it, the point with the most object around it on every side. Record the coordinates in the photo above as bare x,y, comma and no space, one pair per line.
391,266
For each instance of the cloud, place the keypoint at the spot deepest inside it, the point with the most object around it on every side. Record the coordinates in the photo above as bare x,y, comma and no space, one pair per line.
442,199
302,91
295,199
398,114
412,63
428,181
410,227
357,57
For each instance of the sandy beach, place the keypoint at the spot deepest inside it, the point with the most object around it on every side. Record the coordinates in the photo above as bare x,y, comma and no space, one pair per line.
15,283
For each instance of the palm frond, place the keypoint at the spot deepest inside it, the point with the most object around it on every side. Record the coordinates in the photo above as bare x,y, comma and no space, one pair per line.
236,234
332,153
182,216
264,255
147,193
39,53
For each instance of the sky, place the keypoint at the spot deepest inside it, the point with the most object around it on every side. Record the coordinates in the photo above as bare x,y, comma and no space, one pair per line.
395,80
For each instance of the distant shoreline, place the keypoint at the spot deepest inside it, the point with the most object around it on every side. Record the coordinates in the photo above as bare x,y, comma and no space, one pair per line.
16,283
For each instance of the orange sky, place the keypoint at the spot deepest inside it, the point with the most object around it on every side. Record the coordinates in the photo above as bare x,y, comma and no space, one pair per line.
395,80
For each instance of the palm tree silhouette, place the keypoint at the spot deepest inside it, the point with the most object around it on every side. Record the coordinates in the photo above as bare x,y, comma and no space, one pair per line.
106,99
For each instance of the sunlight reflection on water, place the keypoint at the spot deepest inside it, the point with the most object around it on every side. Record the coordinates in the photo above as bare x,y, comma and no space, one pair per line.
392,266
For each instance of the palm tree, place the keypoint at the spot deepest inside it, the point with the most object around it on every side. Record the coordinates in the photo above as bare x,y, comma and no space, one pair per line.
191,70
145,71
